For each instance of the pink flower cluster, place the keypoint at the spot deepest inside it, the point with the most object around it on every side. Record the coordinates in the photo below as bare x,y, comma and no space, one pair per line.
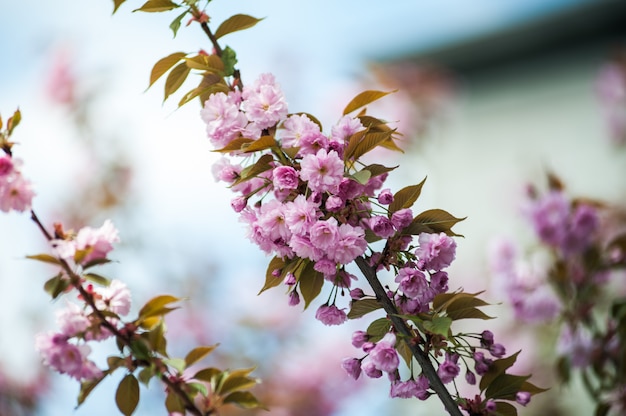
610,88
81,324
67,350
89,244
16,192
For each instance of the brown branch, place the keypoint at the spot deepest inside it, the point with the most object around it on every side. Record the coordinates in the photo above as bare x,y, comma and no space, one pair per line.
401,327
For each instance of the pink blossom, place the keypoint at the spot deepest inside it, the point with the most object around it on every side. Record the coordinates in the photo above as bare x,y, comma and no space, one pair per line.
384,354
385,196
349,189
330,315
72,320
66,358
301,214
402,218
6,165
576,344
272,221
295,128
350,245
239,203
370,370
96,243
310,144
327,267
323,171
381,226
436,251
16,194
352,367
439,282
324,234
264,104
449,369
413,284
411,388
224,170
549,216
285,177
223,119
334,203
115,298
345,128
303,248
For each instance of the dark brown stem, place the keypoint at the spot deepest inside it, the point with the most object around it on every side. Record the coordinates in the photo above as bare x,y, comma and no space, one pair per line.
408,336
126,339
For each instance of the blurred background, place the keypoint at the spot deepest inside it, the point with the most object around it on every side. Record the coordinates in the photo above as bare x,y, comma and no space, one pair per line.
490,97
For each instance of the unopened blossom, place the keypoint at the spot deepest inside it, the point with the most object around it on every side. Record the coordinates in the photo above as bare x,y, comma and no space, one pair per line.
470,378
294,298
370,370
96,243
449,369
285,177
239,203
384,354
359,338
481,363
115,298
497,350
522,397
330,315
323,171
436,251
352,366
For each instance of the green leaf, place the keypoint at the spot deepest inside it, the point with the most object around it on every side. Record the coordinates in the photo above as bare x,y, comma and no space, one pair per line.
175,79
363,99
127,395
465,308
436,221
175,25
234,145
311,282
176,363
505,386
505,409
157,339
262,165
117,4
13,121
199,387
243,399
376,169
156,306
362,176
87,386
497,368
163,65
95,262
198,353
353,142
271,281
406,197
405,352
360,307
145,375
174,404
229,57
262,143
236,23
438,325
56,285
96,278
370,141
378,329
152,6
115,362
237,382
45,258
207,374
